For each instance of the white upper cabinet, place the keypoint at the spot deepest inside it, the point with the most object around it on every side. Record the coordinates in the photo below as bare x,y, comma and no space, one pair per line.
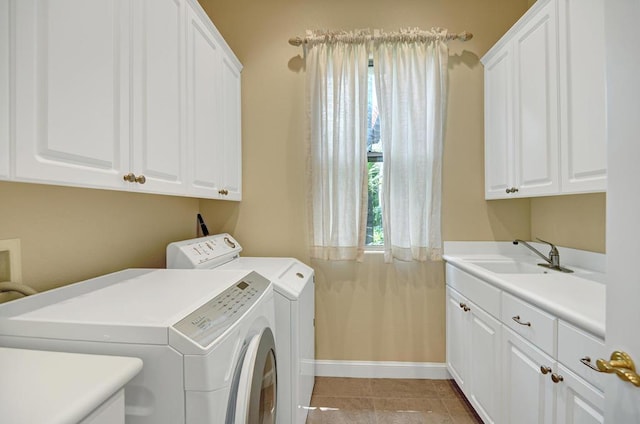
232,166
159,131
498,107
213,112
582,72
122,94
544,113
4,89
535,101
72,91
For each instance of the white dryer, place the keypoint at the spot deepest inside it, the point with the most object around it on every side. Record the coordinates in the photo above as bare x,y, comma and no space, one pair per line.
294,313
204,336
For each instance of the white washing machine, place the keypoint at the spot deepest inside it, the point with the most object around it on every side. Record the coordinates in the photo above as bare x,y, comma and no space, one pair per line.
294,302
204,336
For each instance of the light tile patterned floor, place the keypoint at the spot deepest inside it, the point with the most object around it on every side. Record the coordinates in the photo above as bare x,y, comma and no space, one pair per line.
388,401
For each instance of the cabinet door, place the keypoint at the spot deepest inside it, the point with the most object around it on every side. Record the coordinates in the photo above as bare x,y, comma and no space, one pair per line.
528,394
213,109
498,140
536,105
457,337
4,89
578,401
484,385
159,133
582,95
231,133
205,141
72,91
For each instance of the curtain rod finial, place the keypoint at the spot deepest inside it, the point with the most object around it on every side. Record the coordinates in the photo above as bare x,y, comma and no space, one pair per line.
465,36
296,41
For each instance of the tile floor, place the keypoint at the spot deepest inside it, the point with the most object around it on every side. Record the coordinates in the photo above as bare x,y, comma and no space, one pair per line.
388,401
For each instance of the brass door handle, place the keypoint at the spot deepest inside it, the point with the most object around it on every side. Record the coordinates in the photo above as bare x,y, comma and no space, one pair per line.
545,370
622,365
223,192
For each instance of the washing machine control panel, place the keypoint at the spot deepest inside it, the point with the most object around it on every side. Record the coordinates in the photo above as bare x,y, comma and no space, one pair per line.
202,253
206,323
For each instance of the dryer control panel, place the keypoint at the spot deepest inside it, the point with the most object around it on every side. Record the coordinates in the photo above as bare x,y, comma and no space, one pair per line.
202,253
210,320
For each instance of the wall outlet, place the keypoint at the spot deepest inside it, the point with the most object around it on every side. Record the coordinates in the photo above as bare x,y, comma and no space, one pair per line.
10,261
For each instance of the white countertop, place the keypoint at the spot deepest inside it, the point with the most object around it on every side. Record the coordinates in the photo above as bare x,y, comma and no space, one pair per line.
578,298
56,387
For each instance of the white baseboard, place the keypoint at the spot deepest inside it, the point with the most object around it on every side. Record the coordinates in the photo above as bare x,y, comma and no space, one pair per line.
382,369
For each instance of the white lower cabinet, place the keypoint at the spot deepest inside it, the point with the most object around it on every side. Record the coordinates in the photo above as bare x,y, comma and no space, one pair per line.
457,338
578,401
527,366
528,390
474,354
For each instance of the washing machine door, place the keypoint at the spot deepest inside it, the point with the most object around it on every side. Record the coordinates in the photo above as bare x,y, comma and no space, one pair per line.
256,399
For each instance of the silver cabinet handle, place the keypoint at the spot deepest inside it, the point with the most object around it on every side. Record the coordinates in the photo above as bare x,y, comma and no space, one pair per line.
517,319
587,361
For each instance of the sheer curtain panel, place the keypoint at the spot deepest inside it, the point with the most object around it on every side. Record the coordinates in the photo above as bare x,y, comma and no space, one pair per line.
411,82
336,90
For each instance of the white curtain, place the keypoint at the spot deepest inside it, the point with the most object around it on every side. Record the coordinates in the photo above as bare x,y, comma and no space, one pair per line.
411,84
336,69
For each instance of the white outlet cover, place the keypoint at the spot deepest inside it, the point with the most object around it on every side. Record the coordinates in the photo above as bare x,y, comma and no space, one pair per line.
12,246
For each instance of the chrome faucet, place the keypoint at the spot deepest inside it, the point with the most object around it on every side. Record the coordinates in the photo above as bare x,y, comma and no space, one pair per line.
553,261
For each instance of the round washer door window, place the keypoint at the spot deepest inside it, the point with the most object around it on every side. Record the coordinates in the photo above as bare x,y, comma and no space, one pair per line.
257,387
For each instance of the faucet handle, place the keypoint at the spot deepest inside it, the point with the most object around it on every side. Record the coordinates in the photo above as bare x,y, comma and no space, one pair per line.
554,250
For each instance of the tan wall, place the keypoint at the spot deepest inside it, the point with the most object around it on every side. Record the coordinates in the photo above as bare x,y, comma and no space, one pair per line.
71,234
368,311
576,221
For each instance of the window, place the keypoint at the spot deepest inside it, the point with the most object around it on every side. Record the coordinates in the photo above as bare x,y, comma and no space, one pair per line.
357,200
374,236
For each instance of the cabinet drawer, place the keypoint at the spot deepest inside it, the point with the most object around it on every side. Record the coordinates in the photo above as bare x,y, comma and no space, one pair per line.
574,345
533,324
482,294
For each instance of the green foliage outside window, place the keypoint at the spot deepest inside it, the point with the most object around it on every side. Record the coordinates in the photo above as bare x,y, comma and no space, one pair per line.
374,217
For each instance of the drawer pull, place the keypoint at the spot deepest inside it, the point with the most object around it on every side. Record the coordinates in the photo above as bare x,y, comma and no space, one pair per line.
465,307
545,370
517,319
587,361
556,378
